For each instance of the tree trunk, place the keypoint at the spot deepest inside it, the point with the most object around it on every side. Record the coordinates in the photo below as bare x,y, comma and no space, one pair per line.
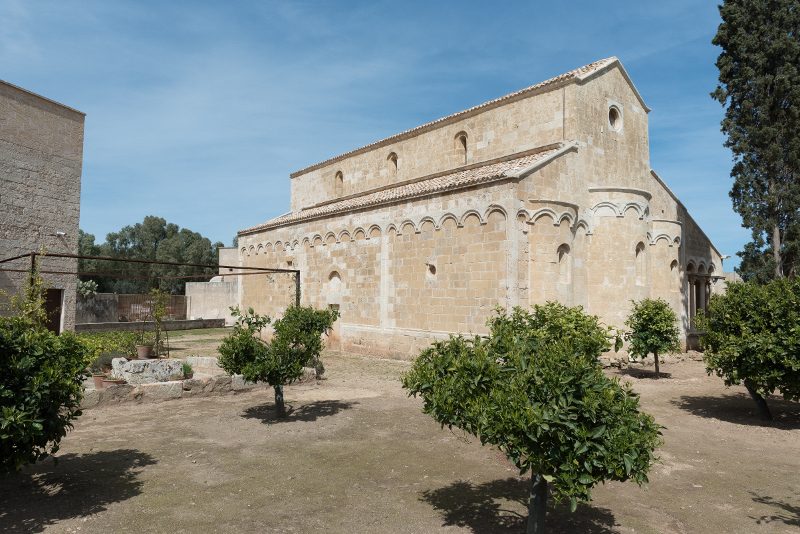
279,406
761,403
776,251
655,358
537,506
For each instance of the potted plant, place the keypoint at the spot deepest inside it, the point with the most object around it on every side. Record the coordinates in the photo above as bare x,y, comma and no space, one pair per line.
99,368
188,370
144,346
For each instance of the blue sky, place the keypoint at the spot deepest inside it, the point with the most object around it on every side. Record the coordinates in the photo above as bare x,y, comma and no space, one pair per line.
190,104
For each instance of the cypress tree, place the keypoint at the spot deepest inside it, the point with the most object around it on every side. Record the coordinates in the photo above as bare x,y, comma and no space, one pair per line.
759,86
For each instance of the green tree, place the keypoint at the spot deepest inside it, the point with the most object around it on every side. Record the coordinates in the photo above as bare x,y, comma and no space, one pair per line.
296,342
41,383
654,328
759,85
753,337
535,389
156,240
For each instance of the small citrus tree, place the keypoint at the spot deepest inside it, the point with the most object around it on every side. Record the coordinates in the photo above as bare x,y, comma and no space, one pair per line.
753,337
654,328
41,381
535,389
296,341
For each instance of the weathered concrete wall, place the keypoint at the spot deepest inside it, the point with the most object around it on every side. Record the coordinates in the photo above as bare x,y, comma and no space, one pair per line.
41,152
212,300
99,308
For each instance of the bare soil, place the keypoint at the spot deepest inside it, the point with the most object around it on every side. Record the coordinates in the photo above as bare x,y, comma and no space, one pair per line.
356,454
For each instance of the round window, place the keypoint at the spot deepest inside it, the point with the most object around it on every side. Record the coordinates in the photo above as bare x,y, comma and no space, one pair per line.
614,118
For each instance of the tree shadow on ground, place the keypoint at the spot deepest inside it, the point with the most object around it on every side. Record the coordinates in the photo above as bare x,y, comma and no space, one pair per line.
740,409
789,516
481,508
308,412
643,373
79,486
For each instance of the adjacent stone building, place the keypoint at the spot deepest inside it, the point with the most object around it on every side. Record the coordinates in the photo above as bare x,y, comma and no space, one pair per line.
543,194
41,153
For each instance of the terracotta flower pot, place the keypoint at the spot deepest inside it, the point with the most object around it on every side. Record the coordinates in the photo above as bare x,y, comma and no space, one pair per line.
98,380
188,375
113,382
176,379
144,351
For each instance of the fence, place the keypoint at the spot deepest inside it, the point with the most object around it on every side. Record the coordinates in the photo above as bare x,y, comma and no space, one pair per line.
111,308
140,308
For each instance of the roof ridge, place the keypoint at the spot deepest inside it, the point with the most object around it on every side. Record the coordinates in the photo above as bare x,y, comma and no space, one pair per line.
570,75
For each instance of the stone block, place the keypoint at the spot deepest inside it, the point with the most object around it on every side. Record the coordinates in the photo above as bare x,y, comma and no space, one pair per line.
193,386
218,384
91,398
121,393
136,372
163,390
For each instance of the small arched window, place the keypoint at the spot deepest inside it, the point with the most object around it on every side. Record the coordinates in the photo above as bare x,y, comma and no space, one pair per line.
461,147
641,268
564,264
391,165
338,183
334,283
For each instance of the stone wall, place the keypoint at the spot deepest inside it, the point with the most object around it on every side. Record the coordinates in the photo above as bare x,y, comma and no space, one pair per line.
99,308
41,151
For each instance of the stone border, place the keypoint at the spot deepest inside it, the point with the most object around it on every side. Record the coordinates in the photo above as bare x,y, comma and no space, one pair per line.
212,386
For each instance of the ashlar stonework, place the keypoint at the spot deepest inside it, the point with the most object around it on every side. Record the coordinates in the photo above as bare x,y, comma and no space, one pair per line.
41,154
543,194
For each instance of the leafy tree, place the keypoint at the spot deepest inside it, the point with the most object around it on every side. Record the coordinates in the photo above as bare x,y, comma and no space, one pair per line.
296,342
753,337
536,390
759,82
654,328
41,383
156,240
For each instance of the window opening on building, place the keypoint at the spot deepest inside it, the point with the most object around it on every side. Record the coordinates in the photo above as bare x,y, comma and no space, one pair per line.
461,147
431,271
391,165
338,183
334,283
564,264
614,118
641,271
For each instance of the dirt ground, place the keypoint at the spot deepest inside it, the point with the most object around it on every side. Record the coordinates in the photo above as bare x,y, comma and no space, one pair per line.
357,455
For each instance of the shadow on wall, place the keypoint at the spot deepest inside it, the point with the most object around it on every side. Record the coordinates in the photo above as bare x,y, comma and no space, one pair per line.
81,485
309,412
487,508
739,408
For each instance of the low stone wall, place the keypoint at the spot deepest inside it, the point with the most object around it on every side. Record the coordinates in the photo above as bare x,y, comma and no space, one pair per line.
212,386
138,372
189,324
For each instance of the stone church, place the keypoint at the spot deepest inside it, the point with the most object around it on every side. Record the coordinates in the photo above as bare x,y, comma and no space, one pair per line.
543,194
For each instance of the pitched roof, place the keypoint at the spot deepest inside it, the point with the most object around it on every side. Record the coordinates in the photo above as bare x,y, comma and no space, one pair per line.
437,183
577,74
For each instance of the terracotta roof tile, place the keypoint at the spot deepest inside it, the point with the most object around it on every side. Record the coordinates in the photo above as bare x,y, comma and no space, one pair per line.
573,74
436,184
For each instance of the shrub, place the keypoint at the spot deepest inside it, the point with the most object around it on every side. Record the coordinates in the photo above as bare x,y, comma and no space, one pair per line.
41,388
296,341
654,328
535,390
752,336
99,343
